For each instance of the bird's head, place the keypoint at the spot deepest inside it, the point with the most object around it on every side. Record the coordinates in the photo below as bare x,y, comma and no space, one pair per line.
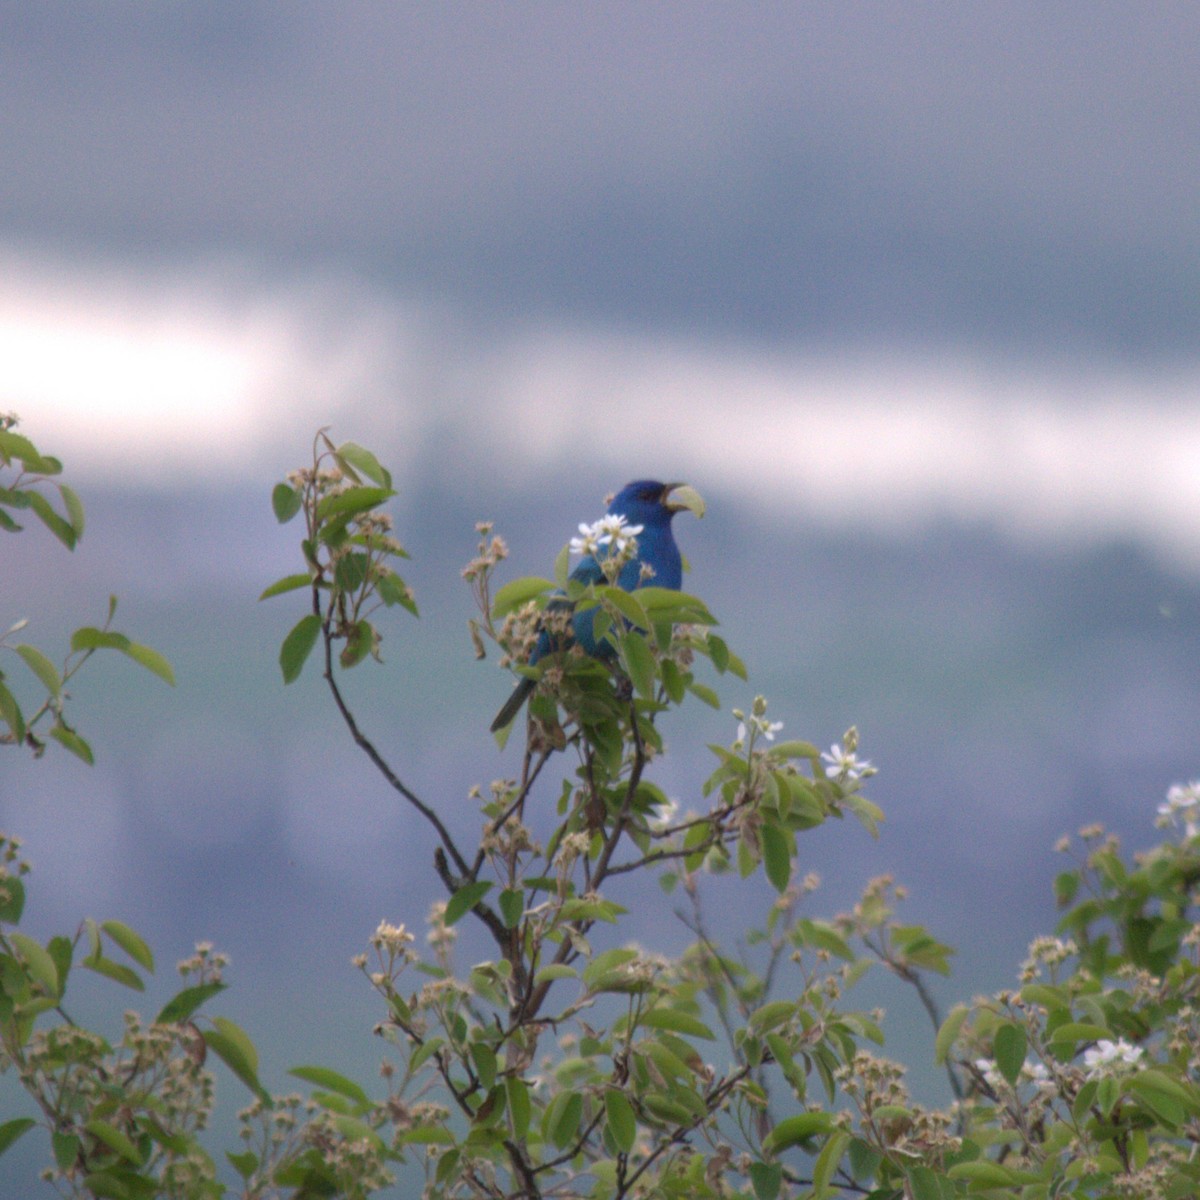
648,502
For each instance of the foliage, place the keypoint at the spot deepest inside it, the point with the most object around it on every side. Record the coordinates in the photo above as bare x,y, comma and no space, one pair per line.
569,1062
25,492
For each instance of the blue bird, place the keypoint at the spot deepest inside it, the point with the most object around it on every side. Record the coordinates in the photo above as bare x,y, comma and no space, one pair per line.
646,503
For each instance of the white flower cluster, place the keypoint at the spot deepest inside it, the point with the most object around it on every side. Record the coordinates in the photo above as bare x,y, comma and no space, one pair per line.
1182,808
756,724
610,530
1031,1072
1110,1058
844,765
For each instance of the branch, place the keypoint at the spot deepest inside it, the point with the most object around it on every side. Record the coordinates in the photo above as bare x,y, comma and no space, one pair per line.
927,1001
367,746
712,1103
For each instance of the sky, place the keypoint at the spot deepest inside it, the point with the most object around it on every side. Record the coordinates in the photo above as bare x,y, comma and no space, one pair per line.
874,262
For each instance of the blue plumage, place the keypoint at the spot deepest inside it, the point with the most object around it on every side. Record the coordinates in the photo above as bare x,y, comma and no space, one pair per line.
647,503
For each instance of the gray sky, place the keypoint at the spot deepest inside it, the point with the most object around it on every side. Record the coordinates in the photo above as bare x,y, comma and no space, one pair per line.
946,252
1013,174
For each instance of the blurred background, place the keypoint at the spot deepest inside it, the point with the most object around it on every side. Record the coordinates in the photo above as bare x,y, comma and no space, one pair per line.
909,293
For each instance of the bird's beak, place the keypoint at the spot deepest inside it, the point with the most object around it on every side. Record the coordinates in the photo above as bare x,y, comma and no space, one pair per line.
678,496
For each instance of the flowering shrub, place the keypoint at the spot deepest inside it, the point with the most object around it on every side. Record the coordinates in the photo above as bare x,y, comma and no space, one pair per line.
570,1062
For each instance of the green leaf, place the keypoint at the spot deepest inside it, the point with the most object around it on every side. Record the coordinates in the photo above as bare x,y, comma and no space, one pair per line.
666,1060
57,525
986,1174
66,1149
777,858
245,1164
1048,997
766,1178
828,1161
948,1032
1073,1032
150,658
563,1118
117,972
823,936
351,570
512,595
672,679
484,1059
90,638
298,645
606,961
701,692
794,749
512,907
131,942
355,1130
42,667
358,645
622,1124
639,662
675,1021
562,568
791,1131
393,590
10,710
364,461
666,604
12,900
351,501
555,971
289,583
286,501
331,1081
62,950
11,1130
70,740
184,1003
517,1092
1169,1100
465,899
74,507
1066,887
37,961
18,446
926,1184
115,1140
627,604
236,1051
1009,1046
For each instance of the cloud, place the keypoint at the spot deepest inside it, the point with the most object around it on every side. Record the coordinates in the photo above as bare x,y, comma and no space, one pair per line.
1017,175
194,376
197,370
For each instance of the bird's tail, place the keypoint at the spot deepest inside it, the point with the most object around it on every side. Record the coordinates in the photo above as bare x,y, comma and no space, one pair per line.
513,704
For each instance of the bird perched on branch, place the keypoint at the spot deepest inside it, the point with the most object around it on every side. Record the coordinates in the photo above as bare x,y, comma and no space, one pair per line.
642,510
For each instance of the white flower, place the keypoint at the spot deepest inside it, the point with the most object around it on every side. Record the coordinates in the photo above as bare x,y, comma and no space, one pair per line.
756,724
610,530
990,1072
1110,1058
844,764
665,814
1180,798
1182,808
588,543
